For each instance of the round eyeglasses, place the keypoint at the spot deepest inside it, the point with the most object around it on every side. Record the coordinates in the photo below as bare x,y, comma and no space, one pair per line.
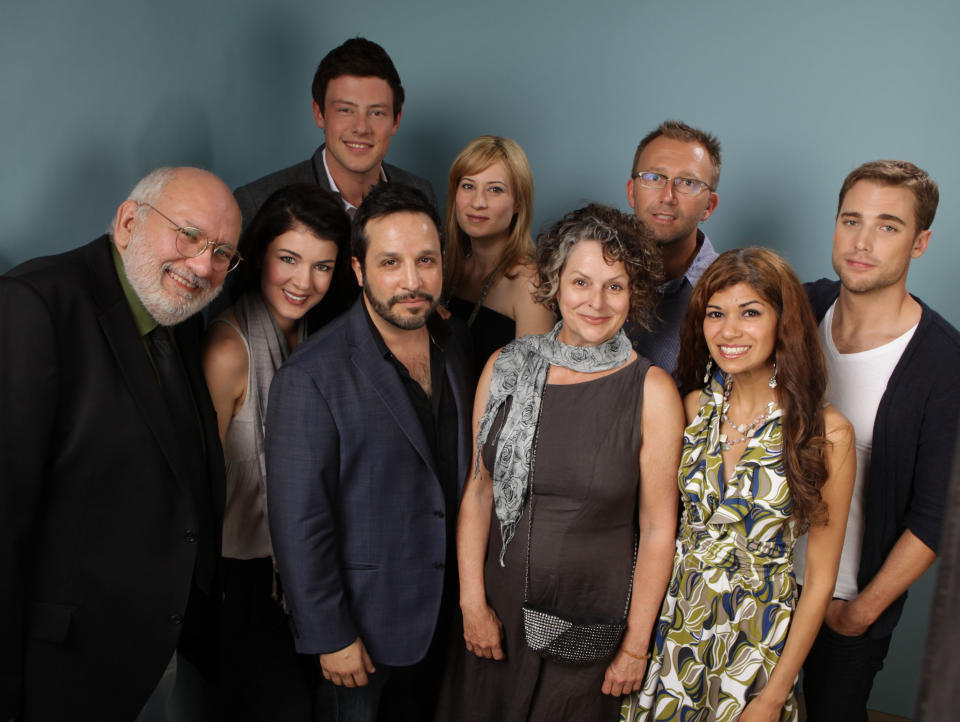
686,186
192,242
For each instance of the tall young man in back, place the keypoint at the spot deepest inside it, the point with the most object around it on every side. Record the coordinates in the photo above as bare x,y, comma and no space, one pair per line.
357,102
894,368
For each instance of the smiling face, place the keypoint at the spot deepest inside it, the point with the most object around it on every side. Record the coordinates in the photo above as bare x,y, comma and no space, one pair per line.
171,287
358,122
876,236
671,216
402,273
740,329
593,296
486,203
297,268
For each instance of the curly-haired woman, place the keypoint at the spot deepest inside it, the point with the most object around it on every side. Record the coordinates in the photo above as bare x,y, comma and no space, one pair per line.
577,448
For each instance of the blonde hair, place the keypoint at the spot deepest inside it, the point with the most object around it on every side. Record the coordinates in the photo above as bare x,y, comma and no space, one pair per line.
478,155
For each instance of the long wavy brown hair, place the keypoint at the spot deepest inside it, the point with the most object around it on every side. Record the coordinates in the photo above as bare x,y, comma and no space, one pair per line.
801,369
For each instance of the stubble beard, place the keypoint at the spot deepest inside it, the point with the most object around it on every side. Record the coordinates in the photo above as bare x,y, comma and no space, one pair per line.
865,285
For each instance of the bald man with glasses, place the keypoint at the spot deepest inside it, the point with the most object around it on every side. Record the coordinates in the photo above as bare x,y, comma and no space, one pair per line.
673,189
111,473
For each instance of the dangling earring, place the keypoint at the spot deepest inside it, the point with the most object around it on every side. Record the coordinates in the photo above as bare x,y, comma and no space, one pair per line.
706,375
772,383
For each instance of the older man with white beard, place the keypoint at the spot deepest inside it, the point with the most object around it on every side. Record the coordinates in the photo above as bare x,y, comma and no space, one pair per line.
111,474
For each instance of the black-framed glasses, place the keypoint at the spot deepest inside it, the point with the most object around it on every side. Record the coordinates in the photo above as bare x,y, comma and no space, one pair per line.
192,242
686,186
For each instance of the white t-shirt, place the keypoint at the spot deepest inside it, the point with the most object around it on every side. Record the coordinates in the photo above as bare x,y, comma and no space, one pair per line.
856,385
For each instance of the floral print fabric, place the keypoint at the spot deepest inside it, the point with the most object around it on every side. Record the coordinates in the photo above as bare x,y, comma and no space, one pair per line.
727,610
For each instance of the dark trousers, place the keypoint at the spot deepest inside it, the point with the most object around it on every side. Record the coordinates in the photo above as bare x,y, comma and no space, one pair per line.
394,694
262,678
838,675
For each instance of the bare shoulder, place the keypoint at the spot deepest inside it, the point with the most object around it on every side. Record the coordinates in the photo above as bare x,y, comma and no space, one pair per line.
483,386
519,278
691,405
660,396
224,351
659,382
838,430
525,270
530,315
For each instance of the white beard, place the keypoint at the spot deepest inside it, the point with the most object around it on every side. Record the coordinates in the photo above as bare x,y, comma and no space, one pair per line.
145,273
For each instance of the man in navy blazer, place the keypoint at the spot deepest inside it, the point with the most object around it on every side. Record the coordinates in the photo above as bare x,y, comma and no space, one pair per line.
368,445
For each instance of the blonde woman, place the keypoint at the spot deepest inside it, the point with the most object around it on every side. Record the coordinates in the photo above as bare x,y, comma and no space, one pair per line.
488,262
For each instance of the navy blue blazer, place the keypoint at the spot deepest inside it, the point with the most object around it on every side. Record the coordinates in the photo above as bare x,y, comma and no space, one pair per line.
355,503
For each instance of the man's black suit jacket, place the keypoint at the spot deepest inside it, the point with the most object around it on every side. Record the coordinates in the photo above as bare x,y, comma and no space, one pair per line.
101,527
343,289
251,196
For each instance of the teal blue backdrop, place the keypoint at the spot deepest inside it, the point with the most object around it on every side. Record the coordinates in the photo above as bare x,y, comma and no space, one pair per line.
95,94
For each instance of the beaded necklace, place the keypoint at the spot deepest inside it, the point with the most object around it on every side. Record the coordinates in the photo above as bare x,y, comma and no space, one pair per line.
745,430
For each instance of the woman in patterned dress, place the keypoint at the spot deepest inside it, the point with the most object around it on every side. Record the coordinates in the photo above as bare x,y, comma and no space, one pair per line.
731,635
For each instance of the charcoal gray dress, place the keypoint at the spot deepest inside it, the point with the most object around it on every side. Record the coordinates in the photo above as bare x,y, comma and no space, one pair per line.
586,479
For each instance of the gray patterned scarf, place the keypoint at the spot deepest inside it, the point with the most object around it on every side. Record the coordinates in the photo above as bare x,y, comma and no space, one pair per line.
520,373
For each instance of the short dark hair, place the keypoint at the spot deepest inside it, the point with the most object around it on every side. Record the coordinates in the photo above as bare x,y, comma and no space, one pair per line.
622,237
926,195
678,130
360,57
383,200
305,205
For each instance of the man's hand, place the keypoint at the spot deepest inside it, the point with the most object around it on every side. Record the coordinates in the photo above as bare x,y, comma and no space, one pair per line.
348,667
843,619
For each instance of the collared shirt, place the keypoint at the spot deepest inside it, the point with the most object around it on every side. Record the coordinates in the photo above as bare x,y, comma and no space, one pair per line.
350,208
145,324
141,316
438,419
662,345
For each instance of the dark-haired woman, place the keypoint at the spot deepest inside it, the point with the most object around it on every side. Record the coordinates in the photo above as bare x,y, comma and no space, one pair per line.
763,459
291,248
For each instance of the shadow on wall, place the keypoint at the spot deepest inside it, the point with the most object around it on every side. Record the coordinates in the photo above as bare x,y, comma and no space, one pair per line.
74,201
269,70
70,203
177,132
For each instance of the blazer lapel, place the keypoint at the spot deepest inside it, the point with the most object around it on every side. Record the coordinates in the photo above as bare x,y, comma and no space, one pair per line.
135,367
188,340
456,374
386,382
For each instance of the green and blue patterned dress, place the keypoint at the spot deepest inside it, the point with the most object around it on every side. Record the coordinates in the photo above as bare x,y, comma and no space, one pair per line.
728,606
